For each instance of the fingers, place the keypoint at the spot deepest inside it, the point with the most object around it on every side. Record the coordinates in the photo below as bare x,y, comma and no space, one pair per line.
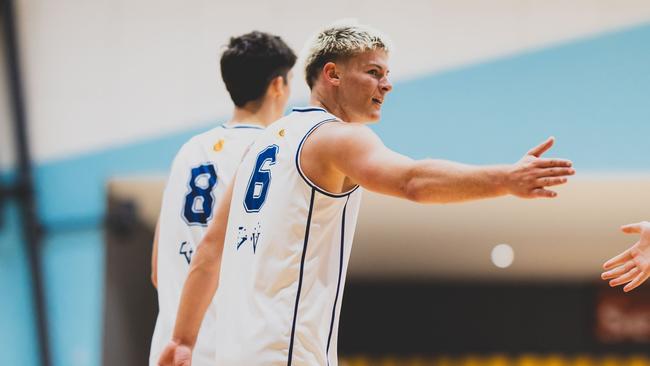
555,172
538,150
552,181
552,163
542,193
616,272
632,228
618,260
625,278
636,282
552,177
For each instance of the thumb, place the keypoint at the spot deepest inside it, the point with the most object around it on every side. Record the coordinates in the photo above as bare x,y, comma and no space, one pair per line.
540,149
167,355
631,228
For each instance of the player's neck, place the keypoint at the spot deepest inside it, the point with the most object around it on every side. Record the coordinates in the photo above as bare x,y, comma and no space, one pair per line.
322,100
248,116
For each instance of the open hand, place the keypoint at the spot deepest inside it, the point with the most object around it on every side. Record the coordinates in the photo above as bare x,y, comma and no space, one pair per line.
633,265
530,176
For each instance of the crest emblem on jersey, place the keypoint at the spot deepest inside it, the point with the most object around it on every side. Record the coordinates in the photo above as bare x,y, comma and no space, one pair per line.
282,132
218,146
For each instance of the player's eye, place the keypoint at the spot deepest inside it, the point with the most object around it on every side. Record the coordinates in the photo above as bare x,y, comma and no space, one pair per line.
373,72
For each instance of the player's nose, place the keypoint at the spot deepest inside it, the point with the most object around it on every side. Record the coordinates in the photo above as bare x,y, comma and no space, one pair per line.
386,85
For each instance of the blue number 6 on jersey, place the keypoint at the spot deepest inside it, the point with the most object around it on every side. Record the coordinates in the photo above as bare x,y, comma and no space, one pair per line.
258,185
200,214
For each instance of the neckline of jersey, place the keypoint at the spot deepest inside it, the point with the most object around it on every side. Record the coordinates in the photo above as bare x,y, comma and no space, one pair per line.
226,125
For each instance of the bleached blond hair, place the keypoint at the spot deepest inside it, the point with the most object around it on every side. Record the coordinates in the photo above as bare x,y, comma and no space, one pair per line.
338,41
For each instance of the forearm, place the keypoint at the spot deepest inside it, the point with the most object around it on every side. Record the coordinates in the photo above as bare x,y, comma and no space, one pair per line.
198,291
441,181
203,278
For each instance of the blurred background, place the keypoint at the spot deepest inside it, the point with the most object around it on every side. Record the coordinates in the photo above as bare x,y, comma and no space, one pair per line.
97,96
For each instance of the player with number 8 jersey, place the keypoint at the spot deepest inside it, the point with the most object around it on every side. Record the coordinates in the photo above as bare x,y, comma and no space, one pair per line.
256,68
285,253
200,173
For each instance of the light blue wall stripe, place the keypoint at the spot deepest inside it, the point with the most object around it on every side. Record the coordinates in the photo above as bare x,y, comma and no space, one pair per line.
74,276
17,325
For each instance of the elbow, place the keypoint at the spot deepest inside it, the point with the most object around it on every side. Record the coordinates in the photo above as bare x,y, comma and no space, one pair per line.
413,188
413,191
418,192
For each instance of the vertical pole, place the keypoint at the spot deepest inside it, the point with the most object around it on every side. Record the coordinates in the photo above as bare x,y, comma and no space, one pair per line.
24,188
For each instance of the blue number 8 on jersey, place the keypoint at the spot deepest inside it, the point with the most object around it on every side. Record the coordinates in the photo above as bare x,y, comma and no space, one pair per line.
258,185
192,213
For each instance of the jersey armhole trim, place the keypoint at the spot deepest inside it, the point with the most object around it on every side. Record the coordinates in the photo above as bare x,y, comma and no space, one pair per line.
308,109
302,174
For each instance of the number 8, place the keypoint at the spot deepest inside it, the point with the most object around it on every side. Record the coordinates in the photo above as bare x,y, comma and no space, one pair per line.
201,215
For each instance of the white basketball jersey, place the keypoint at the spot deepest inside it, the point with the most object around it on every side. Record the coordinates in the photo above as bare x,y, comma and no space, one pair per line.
200,174
285,255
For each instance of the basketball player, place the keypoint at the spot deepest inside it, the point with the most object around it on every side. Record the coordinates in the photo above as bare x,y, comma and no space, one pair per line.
255,68
632,267
278,251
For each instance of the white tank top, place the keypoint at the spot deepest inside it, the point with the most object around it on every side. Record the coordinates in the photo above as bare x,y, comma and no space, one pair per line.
285,255
200,174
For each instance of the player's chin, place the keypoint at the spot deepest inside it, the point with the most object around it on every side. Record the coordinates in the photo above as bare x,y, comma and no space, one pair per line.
373,115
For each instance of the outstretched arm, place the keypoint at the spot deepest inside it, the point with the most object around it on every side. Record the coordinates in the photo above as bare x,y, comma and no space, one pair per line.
199,288
631,267
361,156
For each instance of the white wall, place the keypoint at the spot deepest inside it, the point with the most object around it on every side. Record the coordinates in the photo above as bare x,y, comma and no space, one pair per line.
107,72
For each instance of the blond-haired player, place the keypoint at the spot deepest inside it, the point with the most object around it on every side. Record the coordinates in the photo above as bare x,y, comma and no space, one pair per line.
278,251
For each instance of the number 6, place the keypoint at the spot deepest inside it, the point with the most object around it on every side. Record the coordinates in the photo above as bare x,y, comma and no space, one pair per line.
258,185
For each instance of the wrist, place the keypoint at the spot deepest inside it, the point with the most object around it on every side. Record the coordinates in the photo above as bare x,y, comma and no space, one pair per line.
501,176
180,341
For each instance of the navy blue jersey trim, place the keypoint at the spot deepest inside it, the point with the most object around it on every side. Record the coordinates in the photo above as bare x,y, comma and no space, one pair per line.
240,126
309,109
309,183
302,268
338,284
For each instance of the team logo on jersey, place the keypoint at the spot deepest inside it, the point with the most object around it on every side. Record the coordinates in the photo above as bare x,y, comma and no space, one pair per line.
187,251
253,237
218,146
282,132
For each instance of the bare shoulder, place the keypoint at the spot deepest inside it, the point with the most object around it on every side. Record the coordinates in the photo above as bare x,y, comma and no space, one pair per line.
329,149
343,134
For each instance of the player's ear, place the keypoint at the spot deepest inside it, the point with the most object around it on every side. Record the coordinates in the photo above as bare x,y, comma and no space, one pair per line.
331,74
276,86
